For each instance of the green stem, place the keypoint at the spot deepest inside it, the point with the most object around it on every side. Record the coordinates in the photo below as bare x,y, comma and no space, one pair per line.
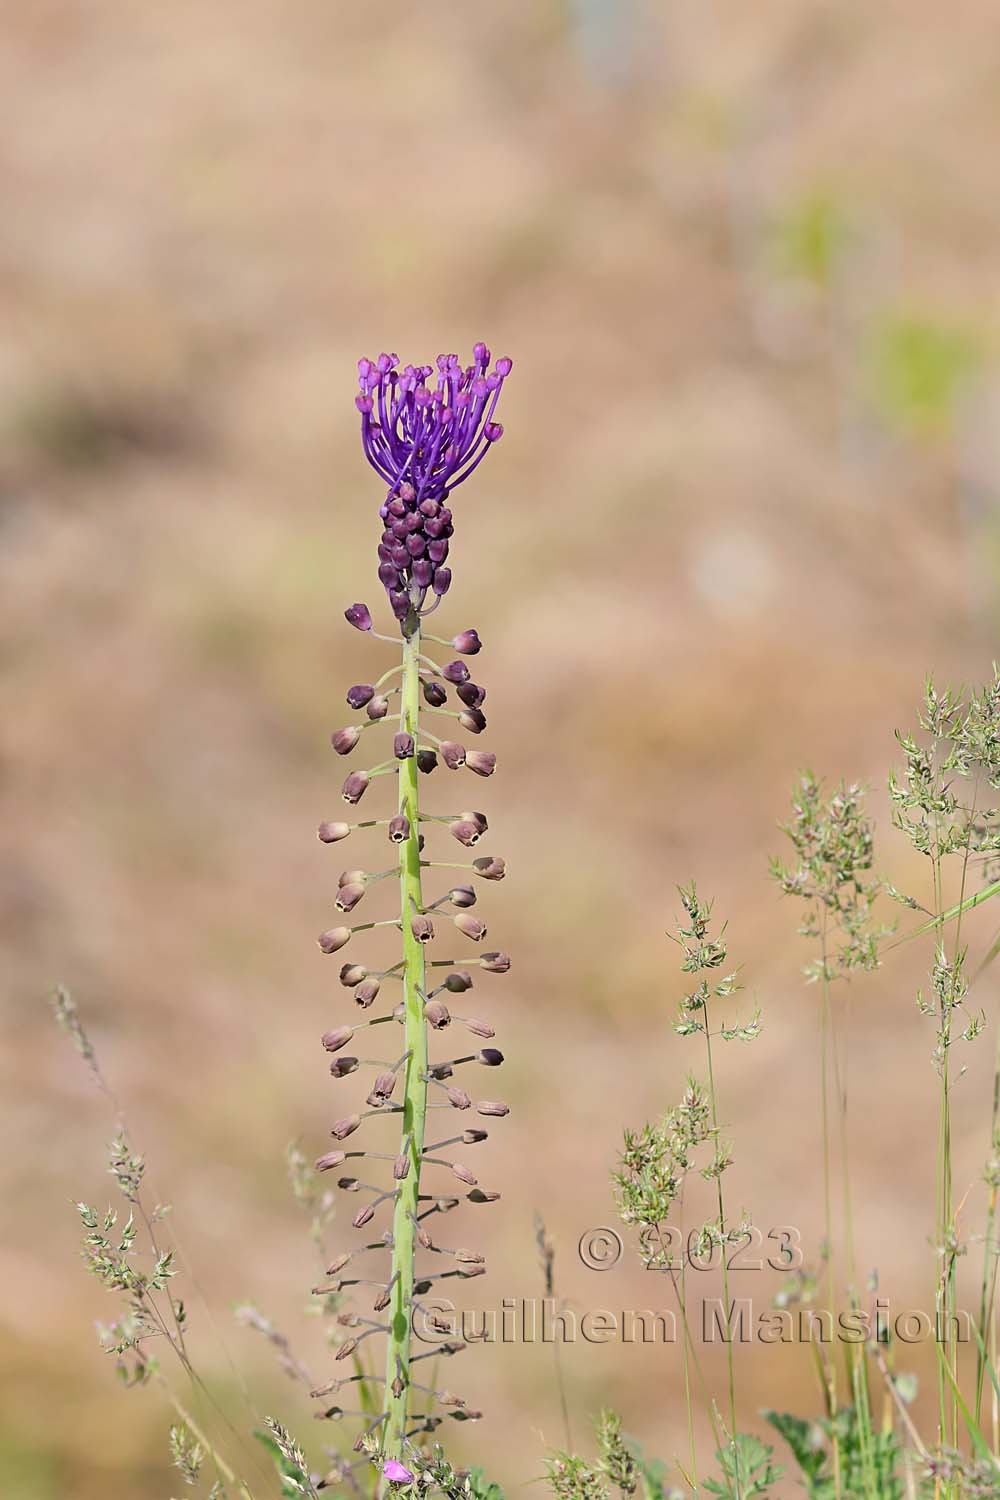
397,1370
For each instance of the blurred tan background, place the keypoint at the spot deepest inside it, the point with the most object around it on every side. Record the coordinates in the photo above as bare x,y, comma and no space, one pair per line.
745,259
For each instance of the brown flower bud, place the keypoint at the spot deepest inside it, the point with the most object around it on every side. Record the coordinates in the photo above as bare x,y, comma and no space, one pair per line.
473,1136
360,694
455,672
378,707
490,867
399,829
471,926
382,1089
453,754
458,982
441,1070
426,761
422,928
492,1107
334,1040
471,694
401,1166
341,1260
348,897
479,1028
366,992
355,786
470,1257
458,1098
323,1164
349,1124
352,877
472,719
435,694
463,1174
341,1066
363,1216
490,1057
481,1195
495,963
397,1387
346,1349
330,833
402,745
473,1270
352,974
344,740
462,895
467,832
436,1014
483,762
382,1301
335,938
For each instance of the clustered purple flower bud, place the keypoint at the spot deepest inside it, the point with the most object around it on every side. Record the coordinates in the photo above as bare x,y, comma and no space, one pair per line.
424,440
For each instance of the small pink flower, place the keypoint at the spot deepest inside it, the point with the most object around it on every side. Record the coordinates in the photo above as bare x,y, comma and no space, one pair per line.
397,1472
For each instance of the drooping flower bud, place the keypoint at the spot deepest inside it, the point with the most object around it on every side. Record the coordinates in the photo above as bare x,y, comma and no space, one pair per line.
382,1089
435,694
442,581
401,1166
378,707
472,719
462,895
426,761
349,1124
399,829
466,831
348,897
463,1174
363,1216
352,877
344,740
495,963
471,694
467,642
471,926
471,1137
453,754
479,1028
422,928
355,786
339,1261
342,1066
436,1014
366,992
335,938
490,867
455,672
334,1040
458,982
402,745
331,833
323,1164
458,1098
492,1107
483,762
353,974
359,616
490,1057
360,694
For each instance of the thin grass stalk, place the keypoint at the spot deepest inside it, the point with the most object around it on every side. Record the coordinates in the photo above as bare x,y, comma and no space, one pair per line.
730,1362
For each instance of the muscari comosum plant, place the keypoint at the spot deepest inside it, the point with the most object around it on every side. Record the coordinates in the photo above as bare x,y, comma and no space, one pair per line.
424,432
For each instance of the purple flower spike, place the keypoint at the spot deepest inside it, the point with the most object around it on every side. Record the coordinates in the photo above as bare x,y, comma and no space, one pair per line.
396,1472
424,439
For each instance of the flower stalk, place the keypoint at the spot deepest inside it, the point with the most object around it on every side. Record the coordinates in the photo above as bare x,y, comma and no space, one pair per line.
397,1371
